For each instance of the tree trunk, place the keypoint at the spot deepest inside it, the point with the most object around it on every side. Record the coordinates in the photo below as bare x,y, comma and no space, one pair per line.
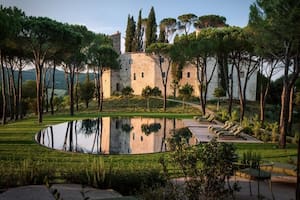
39,88
46,99
100,91
262,107
76,90
14,114
241,97
291,108
203,106
71,89
10,94
165,97
148,103
230,92
284,115
20,92
288,85
200,82
53,87
3,90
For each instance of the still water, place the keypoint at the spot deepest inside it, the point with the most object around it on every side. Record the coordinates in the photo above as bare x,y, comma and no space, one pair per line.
108,135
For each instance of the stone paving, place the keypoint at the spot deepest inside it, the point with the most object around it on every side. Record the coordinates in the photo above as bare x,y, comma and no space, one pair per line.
60,191
281,191
201,132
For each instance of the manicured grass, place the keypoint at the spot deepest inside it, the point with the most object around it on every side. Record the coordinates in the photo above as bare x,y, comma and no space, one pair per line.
17,145
18,150
270,151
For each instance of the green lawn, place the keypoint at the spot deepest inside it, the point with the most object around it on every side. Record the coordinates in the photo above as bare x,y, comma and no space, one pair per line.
21,156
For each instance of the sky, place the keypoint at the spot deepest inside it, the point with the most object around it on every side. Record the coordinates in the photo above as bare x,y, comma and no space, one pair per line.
110,16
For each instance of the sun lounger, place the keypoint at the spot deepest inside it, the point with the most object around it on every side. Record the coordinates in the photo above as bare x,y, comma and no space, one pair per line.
207,119
235,131
227,126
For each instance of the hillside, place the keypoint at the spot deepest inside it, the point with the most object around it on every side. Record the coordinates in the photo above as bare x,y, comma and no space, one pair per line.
60,82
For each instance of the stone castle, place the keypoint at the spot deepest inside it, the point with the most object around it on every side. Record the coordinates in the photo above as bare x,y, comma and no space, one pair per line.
139,70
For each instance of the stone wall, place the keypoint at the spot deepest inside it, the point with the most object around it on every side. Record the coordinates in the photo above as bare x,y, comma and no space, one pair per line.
139,70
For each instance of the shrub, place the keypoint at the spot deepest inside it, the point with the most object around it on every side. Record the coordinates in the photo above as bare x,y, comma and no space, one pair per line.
224,116
234,116
131,181
256,127
274,130
26,172
265,136
296,138
206,168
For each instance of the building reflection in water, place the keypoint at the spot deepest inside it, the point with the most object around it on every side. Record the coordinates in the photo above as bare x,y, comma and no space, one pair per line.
111,135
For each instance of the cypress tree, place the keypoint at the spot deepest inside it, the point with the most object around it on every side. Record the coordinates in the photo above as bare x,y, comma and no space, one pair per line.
130,31
151,28
138,34
162,33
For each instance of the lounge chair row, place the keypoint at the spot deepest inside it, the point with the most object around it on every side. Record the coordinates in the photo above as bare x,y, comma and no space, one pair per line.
229,129
206,118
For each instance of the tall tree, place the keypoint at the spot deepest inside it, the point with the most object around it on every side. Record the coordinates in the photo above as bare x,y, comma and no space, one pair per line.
130,35
40,33
186,92
279,20
207,21
86,90
78,40
162,54
167,28
151,28
244,61
102,56
139,34
200,51
10,25
186,21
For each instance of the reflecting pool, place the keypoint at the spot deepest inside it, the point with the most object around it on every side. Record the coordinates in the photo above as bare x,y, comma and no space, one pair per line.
108,135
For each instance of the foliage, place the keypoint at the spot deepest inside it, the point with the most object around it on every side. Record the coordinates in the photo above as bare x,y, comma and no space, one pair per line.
224,115
275,23
130,34
185,92
274,130
147,92
150,128
139,34
234,116
256,127
26,172
127,91
156,92
185,21
126,128
167,27
179,136
205,168
86,90
151,28
207,21
29,89
219,92
57,102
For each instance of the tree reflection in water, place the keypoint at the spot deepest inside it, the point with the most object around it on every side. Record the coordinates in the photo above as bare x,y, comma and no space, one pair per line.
110,135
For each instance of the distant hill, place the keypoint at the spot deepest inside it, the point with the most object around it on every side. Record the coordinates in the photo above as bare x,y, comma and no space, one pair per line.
60,81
